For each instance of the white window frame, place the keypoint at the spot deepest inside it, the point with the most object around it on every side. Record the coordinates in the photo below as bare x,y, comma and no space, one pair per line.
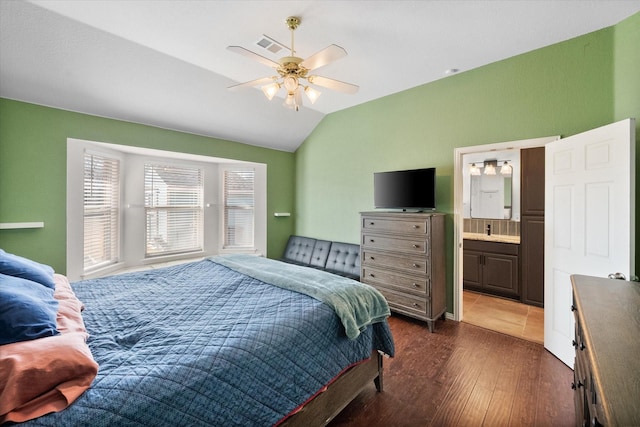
75,208
259,246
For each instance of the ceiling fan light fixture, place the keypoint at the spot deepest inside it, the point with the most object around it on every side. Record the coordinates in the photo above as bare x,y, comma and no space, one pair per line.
293,100
289,101
290,83
270,90
312,94
292,69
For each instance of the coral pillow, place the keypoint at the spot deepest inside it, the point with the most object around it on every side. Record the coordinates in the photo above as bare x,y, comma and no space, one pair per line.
14,265
47,374
28,310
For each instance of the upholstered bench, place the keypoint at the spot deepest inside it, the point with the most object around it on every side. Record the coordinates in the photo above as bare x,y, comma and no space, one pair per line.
335,257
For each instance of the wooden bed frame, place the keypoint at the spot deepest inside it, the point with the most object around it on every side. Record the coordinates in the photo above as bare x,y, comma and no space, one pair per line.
326,405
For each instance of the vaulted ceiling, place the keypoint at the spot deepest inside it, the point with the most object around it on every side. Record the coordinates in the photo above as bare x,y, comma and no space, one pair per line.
165,63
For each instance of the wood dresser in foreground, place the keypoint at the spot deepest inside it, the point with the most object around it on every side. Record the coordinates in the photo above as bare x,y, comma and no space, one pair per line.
607,342
403,256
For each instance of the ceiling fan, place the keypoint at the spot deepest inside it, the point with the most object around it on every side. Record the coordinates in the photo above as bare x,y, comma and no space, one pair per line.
292,70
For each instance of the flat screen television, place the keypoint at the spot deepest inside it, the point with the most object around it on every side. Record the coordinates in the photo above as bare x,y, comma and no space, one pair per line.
413,189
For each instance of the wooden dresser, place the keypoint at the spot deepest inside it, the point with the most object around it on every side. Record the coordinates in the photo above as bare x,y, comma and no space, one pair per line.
403,256
607,342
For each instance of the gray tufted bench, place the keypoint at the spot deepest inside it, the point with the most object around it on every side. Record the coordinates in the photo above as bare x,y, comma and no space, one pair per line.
334,257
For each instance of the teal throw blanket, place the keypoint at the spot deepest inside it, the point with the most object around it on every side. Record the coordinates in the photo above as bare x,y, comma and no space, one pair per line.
356,304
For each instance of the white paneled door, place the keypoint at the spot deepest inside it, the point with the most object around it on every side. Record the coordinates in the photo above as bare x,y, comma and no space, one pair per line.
589,220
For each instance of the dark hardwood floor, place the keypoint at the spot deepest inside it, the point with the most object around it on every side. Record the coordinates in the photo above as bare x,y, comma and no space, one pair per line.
464,375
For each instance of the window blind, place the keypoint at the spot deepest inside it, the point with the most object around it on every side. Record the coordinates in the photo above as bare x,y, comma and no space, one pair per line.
101,211
174,209
239,208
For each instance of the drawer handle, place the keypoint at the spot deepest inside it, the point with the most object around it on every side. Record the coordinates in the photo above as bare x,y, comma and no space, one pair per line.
416,265
372,223
372,258
416,246
416,226
372,275
415,304
371,240
415,285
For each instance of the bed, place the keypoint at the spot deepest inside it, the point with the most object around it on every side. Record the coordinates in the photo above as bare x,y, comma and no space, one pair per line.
231,340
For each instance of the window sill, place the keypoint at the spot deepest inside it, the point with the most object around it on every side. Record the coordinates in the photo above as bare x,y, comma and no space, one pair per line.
159,264
148,264
248,251
105,271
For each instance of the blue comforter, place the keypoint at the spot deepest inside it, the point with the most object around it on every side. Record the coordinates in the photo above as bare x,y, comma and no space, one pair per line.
201,344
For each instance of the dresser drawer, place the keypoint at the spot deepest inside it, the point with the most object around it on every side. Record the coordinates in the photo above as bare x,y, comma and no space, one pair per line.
413,265
375,276
403,303
412,226
377,241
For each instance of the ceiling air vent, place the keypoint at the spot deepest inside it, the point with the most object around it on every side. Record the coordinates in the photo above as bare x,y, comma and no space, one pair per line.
270,44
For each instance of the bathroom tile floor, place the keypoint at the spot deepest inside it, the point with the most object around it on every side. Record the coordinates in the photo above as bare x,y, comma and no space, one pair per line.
504,315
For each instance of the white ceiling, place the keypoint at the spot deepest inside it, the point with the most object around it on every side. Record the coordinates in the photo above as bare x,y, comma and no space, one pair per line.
165,63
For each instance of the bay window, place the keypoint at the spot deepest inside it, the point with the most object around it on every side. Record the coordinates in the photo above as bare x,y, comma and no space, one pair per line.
129,207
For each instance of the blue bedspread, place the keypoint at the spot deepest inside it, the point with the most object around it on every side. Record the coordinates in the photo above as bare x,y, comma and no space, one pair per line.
201,344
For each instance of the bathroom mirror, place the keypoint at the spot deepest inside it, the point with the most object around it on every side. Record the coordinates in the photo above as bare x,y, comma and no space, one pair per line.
491,196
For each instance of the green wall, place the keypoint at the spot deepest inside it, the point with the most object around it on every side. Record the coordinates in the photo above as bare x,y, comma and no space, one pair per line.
562,89
627,90
33,141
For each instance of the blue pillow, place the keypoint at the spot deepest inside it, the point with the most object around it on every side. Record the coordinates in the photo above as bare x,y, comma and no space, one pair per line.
14,265
27,310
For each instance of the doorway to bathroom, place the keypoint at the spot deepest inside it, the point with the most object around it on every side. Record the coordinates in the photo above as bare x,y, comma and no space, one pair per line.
493,218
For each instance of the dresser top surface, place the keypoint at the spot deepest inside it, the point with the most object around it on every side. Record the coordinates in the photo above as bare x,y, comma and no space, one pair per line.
400,214
609,311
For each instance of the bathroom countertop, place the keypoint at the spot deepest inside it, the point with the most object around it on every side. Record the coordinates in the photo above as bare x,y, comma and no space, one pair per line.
503,238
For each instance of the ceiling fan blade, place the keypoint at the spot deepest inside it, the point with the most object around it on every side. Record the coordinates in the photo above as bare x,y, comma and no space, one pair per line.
333,84
324,57
246,52
256,82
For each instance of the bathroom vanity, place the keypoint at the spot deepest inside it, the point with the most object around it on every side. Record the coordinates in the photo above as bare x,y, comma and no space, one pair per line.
491,267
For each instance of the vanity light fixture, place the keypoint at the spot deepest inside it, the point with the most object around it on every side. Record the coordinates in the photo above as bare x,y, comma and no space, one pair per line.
474,170
506,169
490,167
